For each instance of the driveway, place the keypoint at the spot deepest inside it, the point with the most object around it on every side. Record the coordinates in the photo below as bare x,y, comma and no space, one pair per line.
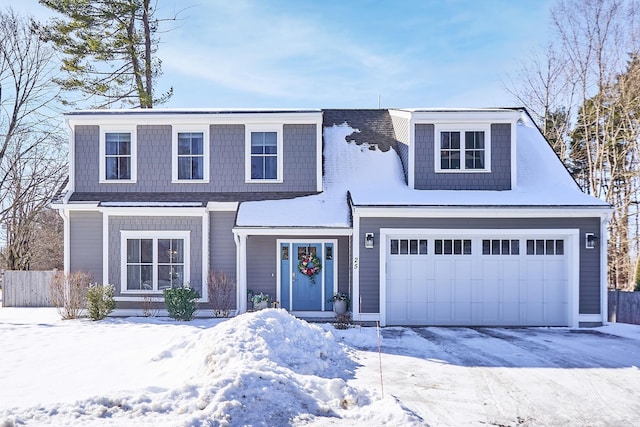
511,377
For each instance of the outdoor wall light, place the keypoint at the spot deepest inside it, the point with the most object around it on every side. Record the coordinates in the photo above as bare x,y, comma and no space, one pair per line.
590,240
368,240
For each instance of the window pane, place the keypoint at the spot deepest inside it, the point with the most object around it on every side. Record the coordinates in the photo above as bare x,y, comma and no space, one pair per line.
133,277
184,168
164,276
559,247
438,247
486,247
550,246
111,168
466,247
394,246
539,247
184,144
505,247
146,251
146,276
495,247
133,250
270,138
413,247
257,167
423,247
404,247
177,275
530,247
515,247
457,247
455,160
448,247
197,146
257,142
123,167
124,148
111,148
164,251
271,167
178,250
197,168
445,140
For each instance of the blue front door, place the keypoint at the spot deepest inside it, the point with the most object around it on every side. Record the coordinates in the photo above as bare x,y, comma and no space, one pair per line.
307,291
299,291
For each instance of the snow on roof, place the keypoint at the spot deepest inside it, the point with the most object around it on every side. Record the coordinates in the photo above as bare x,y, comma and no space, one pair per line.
375,178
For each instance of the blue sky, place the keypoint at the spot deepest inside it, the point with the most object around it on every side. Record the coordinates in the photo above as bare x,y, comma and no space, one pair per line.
343,53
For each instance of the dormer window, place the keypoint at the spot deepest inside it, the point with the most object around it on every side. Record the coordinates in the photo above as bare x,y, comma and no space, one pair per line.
462,149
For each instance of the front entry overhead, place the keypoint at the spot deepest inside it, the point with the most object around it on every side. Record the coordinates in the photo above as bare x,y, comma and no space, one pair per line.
491,279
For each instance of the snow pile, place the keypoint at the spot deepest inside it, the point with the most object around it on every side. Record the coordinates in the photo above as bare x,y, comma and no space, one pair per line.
261,369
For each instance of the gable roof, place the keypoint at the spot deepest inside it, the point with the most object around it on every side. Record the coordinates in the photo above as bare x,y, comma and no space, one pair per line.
372,177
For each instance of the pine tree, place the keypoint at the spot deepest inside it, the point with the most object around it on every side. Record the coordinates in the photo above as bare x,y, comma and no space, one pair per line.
109,49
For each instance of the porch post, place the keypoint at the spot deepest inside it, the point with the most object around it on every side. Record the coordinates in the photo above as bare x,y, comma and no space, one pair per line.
241,272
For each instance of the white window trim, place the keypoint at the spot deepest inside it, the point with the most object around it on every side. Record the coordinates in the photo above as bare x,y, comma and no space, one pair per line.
278,128
454,127
131,129
174,152
155,235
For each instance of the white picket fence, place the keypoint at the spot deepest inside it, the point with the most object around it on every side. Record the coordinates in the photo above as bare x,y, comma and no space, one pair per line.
26,288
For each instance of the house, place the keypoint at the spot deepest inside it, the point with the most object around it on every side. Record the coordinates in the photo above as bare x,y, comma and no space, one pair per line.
423,216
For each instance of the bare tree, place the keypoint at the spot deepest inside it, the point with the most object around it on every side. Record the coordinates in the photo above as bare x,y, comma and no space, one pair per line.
32,153
583,91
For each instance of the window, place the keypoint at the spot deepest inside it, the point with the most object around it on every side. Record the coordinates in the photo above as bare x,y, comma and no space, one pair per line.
190,154
452,247
264,154
154,261
408,247
461,149
500,247
117,154
545,247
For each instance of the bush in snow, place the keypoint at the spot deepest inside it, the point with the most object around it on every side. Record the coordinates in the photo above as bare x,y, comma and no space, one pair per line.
69,293
100,300
221,290
181,303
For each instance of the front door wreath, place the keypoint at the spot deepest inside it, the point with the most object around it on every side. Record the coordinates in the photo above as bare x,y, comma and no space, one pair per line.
310,266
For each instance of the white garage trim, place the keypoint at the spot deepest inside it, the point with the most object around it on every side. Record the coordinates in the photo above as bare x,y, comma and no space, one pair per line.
572,251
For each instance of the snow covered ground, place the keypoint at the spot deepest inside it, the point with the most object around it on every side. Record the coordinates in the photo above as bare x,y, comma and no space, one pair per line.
270,369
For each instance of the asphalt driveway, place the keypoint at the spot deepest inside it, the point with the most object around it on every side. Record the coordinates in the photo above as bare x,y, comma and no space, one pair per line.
513,377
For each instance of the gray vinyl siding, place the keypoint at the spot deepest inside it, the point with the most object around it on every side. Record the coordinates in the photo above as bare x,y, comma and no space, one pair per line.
85,243
86,163
226,162
498,179
262,270
401,130
589,292
139,223
222,247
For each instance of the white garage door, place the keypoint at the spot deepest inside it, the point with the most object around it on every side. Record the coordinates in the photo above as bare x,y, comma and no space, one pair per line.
494,280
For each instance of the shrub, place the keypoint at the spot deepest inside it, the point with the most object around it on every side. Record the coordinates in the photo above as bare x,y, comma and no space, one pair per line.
69,293
100,300
181,303
221,290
